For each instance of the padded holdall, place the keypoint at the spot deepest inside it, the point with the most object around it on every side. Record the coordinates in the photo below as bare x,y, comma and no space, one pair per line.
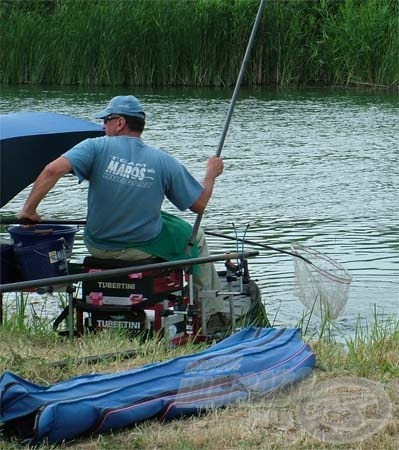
252,361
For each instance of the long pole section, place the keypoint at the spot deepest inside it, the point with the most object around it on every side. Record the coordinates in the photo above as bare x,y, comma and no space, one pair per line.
16,221
240,77
233,102
69,279
12,221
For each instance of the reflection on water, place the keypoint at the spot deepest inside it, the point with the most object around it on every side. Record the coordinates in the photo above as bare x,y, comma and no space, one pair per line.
319,168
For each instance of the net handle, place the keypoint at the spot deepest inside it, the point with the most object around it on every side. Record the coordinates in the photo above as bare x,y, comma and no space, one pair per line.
258,244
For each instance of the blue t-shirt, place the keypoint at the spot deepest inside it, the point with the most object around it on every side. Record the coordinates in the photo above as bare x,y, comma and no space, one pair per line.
128,183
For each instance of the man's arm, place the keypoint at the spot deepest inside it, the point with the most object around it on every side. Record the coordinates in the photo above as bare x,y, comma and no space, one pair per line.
213,169
44,182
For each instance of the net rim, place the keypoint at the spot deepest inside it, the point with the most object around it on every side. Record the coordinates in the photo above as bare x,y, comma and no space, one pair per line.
298,249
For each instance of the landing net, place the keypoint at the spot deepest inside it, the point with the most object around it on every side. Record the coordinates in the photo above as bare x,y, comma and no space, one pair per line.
322,284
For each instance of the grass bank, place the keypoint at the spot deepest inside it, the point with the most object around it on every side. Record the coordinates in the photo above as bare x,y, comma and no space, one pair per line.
198,42
353,395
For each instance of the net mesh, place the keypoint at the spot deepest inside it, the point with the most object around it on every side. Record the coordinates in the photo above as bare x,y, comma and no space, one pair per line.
321,283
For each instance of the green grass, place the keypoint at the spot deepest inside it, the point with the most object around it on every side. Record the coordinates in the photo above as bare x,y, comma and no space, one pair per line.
269,423
198,42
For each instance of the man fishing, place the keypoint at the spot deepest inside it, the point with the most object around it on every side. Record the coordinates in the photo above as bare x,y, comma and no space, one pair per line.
128,181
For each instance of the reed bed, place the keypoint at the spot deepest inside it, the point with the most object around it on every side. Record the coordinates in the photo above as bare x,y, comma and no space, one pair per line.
198,42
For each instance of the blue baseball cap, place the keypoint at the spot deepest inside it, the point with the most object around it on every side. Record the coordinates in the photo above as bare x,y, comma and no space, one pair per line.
127,105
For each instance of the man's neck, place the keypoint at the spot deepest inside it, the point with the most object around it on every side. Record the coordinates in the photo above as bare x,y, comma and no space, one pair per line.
135,134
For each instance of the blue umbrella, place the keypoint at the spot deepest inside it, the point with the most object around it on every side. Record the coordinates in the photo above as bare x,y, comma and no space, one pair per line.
30,140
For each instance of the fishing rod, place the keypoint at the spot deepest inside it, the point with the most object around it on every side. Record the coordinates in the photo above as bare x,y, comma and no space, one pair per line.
247,241
232,104
16,221
95,359
69,279
13,220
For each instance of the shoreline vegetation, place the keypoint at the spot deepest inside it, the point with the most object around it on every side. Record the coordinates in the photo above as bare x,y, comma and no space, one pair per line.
158,43
365,365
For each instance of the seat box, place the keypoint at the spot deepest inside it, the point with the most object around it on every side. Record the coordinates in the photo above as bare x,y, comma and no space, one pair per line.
126,320
144,287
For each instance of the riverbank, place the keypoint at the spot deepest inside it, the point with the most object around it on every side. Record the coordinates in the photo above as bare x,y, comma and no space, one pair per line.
199,43
351,401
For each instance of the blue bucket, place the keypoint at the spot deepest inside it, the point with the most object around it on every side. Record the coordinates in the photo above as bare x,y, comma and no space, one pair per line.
28,236
9,269
45,259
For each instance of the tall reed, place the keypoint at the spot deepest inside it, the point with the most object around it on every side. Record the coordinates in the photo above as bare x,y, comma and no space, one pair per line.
198,42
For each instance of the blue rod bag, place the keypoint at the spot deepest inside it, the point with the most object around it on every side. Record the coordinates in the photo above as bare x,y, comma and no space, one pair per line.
252,361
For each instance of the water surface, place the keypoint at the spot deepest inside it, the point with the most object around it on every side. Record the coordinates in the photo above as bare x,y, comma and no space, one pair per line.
315,167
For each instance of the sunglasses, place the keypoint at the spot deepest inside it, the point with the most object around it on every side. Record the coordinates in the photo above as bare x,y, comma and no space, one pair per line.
108,118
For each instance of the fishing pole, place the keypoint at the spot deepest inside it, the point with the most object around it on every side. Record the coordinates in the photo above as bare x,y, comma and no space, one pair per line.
74,278
232,103
269,247
95,359
16,221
